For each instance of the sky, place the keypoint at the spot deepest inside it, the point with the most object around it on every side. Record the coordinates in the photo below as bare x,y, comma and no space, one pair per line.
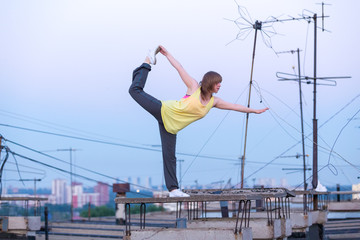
66,66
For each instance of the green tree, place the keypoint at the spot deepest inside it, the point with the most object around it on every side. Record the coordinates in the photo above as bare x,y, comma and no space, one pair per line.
101,211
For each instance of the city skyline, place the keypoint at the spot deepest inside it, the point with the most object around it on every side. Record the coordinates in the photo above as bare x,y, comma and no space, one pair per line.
60,193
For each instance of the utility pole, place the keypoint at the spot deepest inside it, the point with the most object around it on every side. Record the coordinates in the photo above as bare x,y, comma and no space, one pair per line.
315,124
241,22
302,132
257,26
180,161
71,179
302,121
315,120
299,78
0,146
302,124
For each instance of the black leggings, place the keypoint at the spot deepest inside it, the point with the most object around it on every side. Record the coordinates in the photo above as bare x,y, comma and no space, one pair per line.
153,106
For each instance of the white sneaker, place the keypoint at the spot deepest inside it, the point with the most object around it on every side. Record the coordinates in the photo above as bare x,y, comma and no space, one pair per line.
178,193
152,55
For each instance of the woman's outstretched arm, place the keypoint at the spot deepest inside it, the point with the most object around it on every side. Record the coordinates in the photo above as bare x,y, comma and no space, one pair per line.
221,104
190,82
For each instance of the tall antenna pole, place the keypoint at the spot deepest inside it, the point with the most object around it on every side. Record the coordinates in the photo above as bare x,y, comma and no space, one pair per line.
302,128
257,27
315,128
71,184
71,180
0,147
180,176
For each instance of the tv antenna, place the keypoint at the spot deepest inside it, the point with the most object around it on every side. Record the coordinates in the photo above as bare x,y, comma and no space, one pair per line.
308,80
301,115
245,24
328,81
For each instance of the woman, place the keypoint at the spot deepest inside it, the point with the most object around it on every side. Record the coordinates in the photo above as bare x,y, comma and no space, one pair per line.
173,116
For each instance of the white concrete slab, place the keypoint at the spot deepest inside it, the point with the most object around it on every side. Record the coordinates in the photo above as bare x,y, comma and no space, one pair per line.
259,226
300,221
344,206
286,227
33,223
13,223
318,217
261,229
189,234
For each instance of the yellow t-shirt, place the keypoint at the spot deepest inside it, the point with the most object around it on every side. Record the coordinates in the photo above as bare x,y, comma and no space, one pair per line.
178,114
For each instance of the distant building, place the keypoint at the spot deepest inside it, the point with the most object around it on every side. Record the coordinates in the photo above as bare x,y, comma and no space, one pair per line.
128,179
284,183
59,191
61,194
137,182
356,188
77,196
92,198
148,183
103,190
80,198
267,182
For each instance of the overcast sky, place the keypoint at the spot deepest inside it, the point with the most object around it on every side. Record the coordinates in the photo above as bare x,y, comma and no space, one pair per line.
66,66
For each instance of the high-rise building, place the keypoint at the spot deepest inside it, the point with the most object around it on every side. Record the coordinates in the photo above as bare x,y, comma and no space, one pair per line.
58,189
128,179
78,195
103,190
284,183
148,182
137,182
267,182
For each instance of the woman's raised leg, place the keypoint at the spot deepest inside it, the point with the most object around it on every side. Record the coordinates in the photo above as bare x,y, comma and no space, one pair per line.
148,102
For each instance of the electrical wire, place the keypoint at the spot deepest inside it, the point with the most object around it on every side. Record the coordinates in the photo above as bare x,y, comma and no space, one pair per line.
17,167
65,171
114,144
332,148
288,149
51,125
80,138
320,137
306,123
3,164
42,172
211,135
82,168
307,137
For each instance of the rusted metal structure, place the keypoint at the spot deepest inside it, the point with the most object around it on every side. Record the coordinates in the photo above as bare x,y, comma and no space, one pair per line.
279,196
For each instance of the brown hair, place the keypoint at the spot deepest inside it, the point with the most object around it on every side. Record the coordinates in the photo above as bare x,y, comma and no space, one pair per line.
208,82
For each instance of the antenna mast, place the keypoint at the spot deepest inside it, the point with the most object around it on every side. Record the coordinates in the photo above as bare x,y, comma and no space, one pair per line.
257,26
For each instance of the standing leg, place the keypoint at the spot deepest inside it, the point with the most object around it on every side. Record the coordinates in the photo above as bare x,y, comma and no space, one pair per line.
168,143
153,106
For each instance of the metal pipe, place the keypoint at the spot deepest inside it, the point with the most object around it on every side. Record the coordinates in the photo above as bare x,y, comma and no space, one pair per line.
127,219
302,128
46,213
257,27
315,137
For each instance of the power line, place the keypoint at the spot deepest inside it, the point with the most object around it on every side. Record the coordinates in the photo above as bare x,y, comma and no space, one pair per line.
62,170
114,144
77,166
211,135
52,125
341,109
332,148
79,138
